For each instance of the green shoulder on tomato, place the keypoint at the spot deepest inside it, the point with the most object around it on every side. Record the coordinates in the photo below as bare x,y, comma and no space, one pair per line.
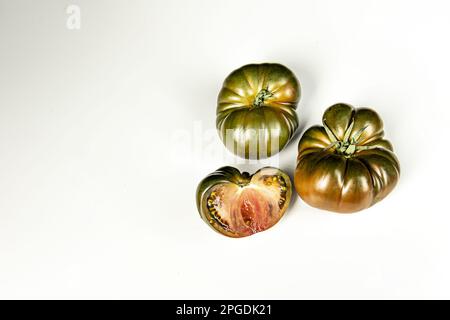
346,165
256,110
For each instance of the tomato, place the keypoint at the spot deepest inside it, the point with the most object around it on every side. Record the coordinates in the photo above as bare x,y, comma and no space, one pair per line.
345,165
239,204
256,114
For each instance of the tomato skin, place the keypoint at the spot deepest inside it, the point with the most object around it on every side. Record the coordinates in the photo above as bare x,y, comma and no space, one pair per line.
235,181
345,165
257,104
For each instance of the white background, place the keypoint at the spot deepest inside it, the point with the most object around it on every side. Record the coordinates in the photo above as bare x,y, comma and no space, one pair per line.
97,193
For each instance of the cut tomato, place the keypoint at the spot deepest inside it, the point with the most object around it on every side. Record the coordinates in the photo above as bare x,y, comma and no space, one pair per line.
239,205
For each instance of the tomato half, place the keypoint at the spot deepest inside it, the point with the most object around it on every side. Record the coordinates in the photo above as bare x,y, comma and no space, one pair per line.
346,165
239,204
256,114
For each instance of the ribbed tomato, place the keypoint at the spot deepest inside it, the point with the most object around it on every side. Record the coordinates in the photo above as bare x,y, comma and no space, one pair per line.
239,204
346,165
256,110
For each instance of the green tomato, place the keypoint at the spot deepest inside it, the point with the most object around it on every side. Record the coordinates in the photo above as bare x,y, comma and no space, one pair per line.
256,114
238,204
346,165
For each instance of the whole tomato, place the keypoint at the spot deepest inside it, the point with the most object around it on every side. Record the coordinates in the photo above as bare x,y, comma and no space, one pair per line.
346,165
256,106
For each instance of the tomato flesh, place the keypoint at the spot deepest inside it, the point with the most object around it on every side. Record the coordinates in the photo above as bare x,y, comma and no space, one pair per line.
246,210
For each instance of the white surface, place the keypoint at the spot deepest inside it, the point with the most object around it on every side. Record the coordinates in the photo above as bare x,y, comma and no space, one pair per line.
95,204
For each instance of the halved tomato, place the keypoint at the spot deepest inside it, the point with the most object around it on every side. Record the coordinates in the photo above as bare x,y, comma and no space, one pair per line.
239,204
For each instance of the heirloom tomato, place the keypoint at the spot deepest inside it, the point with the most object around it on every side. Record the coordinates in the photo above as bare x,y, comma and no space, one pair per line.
239,204
346,165
256,110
